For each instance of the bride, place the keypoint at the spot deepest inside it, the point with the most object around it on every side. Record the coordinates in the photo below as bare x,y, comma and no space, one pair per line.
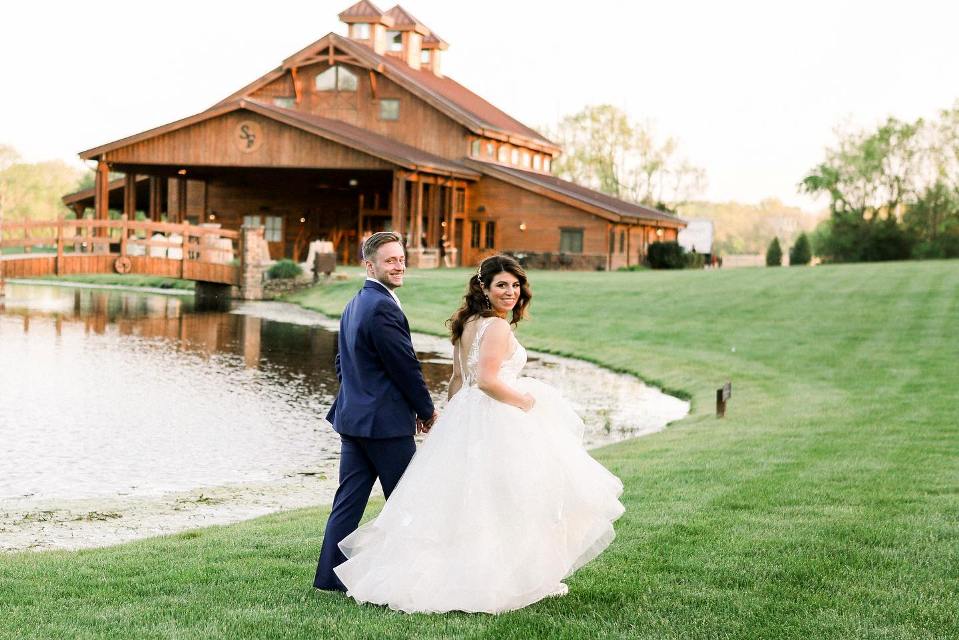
501,502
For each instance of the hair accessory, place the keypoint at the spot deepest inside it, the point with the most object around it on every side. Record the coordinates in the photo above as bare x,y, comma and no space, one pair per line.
479,270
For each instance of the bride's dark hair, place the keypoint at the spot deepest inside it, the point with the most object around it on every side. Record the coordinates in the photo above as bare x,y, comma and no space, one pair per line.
475,302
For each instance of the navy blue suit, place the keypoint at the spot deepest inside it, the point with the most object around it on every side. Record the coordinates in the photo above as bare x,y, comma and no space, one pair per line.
381,394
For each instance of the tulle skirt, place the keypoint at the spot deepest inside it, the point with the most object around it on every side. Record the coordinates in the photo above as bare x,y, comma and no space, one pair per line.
496,508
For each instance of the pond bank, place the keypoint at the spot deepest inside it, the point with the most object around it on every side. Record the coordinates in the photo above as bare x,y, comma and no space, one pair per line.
616,407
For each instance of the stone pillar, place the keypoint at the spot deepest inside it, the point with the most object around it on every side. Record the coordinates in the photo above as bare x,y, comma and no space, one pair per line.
254,253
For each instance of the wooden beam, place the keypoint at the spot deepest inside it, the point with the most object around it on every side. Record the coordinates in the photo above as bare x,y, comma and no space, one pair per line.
396,202
101,197
130,195
373,84
416,217
153,208
296,85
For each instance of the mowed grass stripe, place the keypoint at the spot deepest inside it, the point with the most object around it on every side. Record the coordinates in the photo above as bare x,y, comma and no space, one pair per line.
824,506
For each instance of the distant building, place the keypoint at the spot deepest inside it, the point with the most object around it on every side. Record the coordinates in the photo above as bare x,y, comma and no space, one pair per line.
697,236
363,133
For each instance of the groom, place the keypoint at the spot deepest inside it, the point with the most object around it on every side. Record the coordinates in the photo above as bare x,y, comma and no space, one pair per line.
382,399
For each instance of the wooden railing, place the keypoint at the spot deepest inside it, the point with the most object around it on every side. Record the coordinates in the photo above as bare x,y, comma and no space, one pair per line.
134,241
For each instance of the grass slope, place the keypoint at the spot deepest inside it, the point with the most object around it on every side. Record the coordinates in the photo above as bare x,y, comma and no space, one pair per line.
826,504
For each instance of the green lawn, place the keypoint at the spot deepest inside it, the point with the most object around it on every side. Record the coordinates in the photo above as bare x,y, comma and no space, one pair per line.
825,505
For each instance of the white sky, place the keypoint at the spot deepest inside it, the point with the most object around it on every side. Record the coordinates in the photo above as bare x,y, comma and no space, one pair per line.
752,89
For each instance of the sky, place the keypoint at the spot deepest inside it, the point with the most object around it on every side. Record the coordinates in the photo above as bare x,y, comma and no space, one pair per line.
753,90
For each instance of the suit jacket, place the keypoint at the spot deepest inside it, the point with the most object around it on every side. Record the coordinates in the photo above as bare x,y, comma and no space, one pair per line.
382,389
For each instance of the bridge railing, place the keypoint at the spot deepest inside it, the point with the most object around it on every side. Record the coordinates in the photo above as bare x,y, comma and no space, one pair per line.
193,247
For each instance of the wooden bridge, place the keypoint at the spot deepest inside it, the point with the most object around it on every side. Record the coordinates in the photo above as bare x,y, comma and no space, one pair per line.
64,247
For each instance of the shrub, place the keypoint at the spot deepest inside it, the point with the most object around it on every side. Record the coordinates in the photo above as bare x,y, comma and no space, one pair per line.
801,251
284,269
695,260
774,254
666,255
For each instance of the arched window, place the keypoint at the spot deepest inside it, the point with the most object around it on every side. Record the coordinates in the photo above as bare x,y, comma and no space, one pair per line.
336,78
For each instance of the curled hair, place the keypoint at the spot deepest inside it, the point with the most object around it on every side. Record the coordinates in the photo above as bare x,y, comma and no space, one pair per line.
474,302
377,240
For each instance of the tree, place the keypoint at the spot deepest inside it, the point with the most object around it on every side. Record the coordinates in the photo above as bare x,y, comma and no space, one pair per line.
800,253
774,254
603,150
33,191
894,192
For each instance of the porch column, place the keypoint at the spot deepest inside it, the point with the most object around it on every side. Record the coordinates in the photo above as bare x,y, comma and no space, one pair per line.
130,196
153,209
397,202
101,196
414,247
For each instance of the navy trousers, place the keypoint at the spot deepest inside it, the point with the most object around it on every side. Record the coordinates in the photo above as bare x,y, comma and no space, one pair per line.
362,460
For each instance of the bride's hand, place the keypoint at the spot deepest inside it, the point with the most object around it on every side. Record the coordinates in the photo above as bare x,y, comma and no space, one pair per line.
528,402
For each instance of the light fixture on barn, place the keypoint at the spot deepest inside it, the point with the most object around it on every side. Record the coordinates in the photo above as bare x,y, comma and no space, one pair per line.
212,216
354,182
182,172
522,226
659,232
302,220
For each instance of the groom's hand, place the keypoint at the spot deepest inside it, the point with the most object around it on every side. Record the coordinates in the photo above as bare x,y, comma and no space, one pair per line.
424,426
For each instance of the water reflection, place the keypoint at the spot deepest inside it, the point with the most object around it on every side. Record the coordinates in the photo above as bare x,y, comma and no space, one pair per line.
116,393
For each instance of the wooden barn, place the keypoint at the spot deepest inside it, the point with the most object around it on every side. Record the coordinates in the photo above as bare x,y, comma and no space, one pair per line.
363,133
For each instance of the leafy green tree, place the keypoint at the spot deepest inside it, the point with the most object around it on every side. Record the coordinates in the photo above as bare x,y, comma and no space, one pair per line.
604,150
894,192
774,254
801,252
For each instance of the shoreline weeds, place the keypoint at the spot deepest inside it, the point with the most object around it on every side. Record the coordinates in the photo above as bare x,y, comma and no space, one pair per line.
615,406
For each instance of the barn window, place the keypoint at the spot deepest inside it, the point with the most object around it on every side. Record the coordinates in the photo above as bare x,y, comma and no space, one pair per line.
274,229
361,31
475,229
475,148
546,165
389,109
459,201
425,56
336,78
612,241
537,162
286,103
514,156
490,150
490,235
395,39
622,241
525,159
571,240
503,154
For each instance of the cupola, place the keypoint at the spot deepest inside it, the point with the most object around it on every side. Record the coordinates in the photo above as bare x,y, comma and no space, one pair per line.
368,25
405,38
430,55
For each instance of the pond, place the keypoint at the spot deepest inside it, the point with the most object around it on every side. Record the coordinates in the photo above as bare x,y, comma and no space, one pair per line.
125,414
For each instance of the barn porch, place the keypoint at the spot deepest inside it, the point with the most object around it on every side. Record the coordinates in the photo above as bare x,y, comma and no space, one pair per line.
301,178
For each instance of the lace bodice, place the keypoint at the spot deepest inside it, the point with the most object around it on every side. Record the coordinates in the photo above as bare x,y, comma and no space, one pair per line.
509,370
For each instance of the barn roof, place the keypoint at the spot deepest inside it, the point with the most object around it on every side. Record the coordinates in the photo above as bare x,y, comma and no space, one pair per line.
443,93
576,195
337,131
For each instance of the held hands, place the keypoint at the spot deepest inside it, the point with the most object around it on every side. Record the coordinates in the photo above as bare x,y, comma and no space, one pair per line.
424,426
528,402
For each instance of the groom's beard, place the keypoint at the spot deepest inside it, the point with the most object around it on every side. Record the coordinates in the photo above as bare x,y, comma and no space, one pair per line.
385,280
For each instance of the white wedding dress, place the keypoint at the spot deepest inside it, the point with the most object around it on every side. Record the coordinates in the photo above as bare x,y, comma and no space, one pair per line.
497,506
